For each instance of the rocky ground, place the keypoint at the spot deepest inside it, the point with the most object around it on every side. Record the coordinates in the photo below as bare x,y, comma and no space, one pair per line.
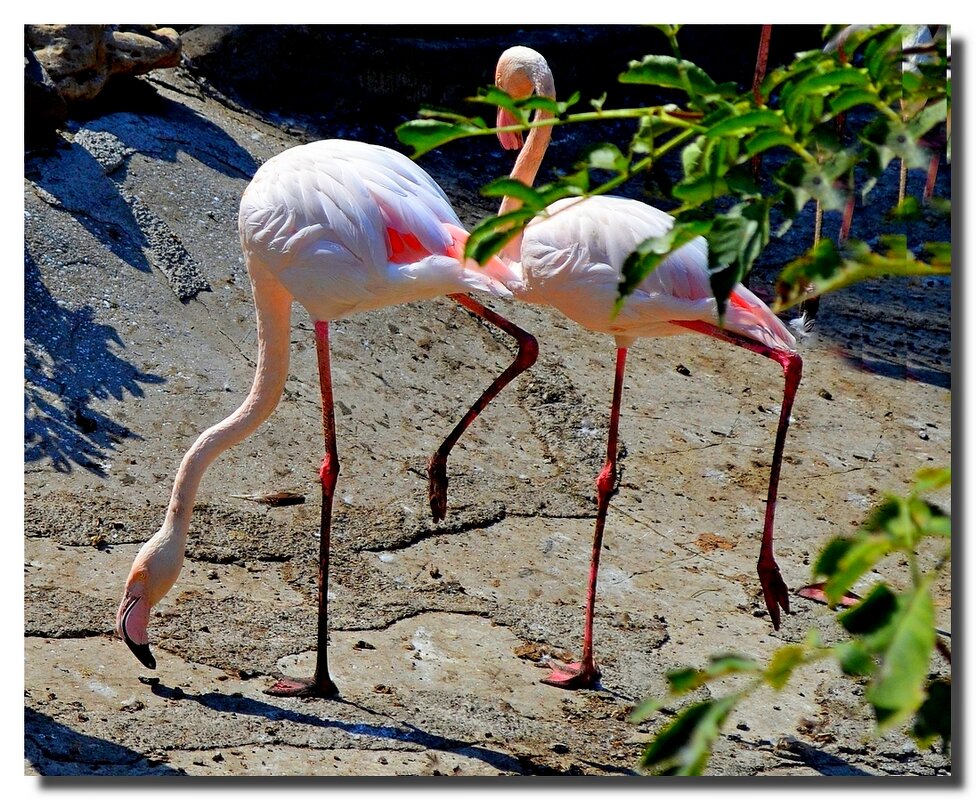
139,334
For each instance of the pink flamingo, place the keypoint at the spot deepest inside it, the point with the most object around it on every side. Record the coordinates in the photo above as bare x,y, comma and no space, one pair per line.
342,227
570,257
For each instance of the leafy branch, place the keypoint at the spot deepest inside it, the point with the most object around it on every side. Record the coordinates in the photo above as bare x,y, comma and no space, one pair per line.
717,132
891,640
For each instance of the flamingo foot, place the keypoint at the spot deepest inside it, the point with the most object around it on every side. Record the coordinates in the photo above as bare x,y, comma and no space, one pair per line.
437,488
303,688
815,592
775,592
575,676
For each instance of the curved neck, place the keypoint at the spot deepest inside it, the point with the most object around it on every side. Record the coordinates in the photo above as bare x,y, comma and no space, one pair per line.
529,159
272,305
525,170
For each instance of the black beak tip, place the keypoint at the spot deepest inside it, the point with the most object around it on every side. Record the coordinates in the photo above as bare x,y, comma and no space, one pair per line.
143,654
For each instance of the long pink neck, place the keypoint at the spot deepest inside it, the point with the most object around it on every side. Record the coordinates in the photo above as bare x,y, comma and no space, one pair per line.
529,160
273,311
525,170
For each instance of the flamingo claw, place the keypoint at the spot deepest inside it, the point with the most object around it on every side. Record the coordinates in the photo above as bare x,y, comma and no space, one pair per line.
775,592
303,688
574,676
815,592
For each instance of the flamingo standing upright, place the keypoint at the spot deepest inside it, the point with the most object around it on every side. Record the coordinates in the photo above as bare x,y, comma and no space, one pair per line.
342,227
570,257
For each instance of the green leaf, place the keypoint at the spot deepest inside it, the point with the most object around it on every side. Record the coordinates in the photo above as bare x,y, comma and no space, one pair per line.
817,86
491,235
683,679
934,717
651,252
824,269
888,516
735,240
606,157
683,747
847,99
862,556
897,689
854,658
871,614
672,73
745,123
766,140
501,187
686,679
930,116
932,478
783,662
644,710
696,191
691,156
425,135
829,559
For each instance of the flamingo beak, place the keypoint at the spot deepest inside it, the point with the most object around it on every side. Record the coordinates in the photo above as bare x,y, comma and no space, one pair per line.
510,140
134,615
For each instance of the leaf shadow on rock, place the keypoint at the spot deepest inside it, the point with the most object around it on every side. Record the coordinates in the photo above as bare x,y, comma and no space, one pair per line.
70,360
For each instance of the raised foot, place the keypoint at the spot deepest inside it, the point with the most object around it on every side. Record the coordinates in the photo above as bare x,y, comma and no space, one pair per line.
437,488
575,676
815,592
775,592
303,688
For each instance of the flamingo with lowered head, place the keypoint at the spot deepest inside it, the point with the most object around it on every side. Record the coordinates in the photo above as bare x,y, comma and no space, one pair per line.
342,227
570,257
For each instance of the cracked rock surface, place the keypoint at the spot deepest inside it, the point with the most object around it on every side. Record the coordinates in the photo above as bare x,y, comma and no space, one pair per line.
140,334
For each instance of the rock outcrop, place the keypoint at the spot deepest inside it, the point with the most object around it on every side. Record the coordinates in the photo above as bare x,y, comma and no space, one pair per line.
81,59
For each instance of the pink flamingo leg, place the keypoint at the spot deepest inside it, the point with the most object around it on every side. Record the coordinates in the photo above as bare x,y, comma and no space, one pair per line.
585,673
775,592
528,352
321,684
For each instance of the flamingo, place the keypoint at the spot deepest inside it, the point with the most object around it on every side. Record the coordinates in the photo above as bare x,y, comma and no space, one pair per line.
570,257
342,227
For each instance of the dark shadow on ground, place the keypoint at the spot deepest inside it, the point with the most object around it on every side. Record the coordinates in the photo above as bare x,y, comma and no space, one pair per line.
403,732
70,361
54,749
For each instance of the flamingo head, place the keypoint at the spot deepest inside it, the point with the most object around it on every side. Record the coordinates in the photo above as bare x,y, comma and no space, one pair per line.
153,572
521,72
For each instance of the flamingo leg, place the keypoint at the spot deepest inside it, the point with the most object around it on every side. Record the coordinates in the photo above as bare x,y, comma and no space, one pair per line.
762,56
321,684
775,592
585,673
528,351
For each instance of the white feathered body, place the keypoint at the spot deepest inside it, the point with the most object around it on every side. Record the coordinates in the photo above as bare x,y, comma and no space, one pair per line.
347,226
573,256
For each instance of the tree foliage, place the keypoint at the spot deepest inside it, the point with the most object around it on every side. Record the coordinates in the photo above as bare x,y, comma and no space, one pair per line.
830,122
890,640
889,100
